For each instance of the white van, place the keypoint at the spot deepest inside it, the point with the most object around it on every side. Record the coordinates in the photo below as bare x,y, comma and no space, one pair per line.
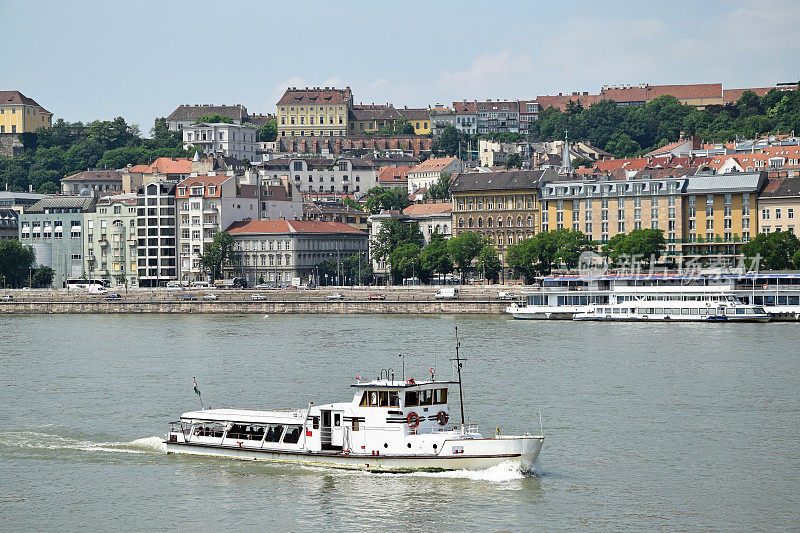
200,285
448,293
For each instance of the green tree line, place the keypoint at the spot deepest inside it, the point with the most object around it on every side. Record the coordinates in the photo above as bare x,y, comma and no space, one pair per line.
70,147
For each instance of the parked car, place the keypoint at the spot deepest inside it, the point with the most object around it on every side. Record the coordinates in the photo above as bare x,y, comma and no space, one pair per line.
188,297
335,296
506,296
258,296
174,286
264,286
447,293
376,296
6,298
113,296
210,296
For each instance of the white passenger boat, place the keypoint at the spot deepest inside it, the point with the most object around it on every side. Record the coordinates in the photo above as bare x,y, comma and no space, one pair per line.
389,426
569,296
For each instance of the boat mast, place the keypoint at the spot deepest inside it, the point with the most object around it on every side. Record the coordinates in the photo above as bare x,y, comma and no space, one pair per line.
458,368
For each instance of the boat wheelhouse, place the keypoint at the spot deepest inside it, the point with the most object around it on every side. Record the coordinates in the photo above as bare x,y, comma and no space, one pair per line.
389,426
568,296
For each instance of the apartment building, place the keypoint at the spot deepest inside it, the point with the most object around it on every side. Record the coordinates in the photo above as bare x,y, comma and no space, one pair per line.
156,234
186,115
441,118
419,117
498,116
466,117
779,206
277,251
371,118
206,205
428,172
231,140
94,182
110,240
54,228
314,112
344,175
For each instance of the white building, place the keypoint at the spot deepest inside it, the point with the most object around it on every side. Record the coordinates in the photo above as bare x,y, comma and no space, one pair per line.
185,115
427,173
110,243
208,204
232,140
323,175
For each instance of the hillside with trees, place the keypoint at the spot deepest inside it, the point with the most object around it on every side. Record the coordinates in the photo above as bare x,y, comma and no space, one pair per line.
70,147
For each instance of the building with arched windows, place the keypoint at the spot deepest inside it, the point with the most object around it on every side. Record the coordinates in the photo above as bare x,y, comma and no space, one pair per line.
109,240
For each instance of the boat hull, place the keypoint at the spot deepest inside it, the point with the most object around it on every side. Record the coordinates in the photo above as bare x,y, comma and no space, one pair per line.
478,454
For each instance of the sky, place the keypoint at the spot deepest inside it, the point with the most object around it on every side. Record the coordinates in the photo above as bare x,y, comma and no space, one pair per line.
93,60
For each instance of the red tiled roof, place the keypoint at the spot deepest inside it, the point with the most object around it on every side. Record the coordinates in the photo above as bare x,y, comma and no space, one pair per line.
17,98
316,95
434,163
730,96
203,181
561,101
139,168
95,175
464,108
393,174
649,92
428,209
169,165
245,227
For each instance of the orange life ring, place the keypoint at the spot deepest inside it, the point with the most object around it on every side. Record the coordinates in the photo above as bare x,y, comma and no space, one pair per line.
412,419
442,418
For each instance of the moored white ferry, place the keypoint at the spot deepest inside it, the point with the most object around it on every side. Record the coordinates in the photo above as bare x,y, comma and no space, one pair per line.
569,296
389,426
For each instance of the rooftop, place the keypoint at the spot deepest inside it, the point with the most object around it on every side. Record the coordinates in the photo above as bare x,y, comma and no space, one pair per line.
502,180
438,208
95,175
17,98
246,227
316,95
191,113
434,163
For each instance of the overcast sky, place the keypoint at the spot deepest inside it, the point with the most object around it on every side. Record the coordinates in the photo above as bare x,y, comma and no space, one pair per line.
97,60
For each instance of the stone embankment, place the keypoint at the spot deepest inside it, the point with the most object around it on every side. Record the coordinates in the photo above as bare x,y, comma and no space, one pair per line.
354,301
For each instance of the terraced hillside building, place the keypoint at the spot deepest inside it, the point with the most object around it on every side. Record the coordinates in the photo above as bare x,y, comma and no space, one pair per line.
314,112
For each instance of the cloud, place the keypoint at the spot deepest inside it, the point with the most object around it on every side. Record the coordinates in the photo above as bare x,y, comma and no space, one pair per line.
489,72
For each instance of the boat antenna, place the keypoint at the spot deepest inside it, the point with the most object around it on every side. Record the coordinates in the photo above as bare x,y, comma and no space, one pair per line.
197,391
403,358
458,361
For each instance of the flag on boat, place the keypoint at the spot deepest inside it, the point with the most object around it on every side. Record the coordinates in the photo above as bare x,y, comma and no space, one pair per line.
196,390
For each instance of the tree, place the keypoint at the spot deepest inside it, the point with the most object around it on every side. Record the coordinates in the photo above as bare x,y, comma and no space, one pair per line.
465,248
15,260
539,254
217,254
645,243
327,272
405,261
269,131
435,257
357,270
489,262
440,190
582,162
43,276
621,145
449,142
378,199
514,161
214,118
796,260
48,187
613,248
392,235
777,250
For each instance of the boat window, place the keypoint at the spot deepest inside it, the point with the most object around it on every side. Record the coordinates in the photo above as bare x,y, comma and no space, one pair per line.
274,433
730,311
685,311
740,311
292,435
695,310
659,311
373,398
426,397
440,396
315,422
412,399
760,310
394,399
209,431
355,423
364,399
244,432
383,398
337,420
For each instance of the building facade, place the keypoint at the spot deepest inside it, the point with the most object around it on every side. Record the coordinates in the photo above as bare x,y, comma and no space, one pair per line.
432,217
54,227
276,251
501,206
110,240
19,114
314,112
371,118
186,115
336,212
345,175
779,206
427,173
206,205
94,182
420,118
156,234
230,140
441,117
9,224
501,116
466,117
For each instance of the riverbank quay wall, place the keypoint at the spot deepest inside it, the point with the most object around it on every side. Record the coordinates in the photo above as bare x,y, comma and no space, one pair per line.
281,306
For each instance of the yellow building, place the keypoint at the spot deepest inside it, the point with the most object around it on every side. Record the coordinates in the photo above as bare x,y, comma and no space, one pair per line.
314,112
779,206
419,118
20,114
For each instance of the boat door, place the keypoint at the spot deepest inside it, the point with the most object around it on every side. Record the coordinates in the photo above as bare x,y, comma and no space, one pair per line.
337,429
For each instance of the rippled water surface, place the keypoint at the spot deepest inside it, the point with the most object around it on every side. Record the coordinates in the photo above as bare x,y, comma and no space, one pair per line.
656,426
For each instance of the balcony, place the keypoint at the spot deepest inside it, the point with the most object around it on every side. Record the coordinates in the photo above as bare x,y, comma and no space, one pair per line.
103,242
210,210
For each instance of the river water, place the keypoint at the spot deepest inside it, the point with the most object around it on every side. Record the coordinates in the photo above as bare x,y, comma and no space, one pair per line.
648,426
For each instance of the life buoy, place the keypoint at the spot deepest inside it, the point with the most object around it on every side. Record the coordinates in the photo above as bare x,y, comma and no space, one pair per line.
442,418
412,419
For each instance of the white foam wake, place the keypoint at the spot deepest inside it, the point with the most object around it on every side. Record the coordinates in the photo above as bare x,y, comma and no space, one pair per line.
46,441
501,473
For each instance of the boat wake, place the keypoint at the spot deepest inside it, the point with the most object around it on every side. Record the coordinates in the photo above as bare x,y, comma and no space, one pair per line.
501,473
47,441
